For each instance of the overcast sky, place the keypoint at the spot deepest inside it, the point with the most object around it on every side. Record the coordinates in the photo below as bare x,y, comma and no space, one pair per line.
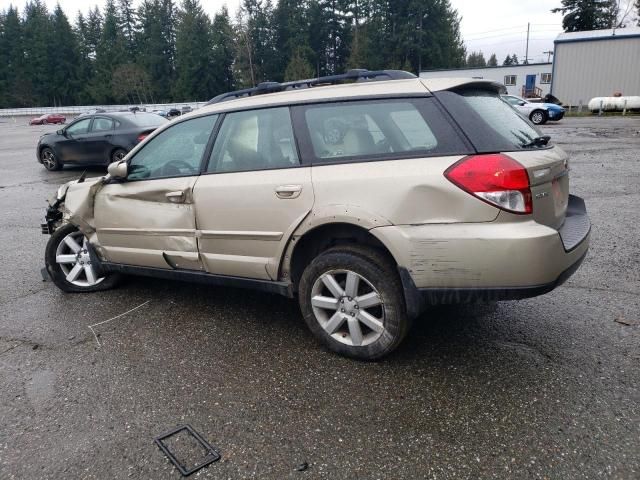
492,26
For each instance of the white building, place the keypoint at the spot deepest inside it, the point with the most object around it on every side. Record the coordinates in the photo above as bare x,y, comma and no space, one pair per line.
597,63
531,80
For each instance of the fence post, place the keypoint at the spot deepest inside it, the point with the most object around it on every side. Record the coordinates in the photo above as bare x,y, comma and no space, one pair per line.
624,110
580,107
601,105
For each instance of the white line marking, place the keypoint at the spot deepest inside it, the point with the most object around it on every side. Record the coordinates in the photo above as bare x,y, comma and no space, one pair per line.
111,319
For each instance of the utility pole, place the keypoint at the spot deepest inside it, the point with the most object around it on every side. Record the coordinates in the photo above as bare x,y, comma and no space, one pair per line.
549,53
526,55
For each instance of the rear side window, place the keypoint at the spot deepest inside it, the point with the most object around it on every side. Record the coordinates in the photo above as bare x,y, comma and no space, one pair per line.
488,120
101,124
375,130
254,140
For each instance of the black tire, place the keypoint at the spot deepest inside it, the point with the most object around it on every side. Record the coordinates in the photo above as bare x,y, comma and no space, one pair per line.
381,274
50,160
539,117
44,122
118,154
56,272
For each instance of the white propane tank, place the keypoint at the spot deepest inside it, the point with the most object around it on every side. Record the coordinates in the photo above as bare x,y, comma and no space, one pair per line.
614,104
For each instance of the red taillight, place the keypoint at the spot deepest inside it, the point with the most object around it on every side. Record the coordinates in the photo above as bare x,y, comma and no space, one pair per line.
496,179
142,136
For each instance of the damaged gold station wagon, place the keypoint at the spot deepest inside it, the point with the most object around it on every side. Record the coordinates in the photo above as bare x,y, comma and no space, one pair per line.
368,195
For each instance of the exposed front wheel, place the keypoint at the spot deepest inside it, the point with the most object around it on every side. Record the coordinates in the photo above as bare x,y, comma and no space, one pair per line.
69,263
49,160
352,300
539,117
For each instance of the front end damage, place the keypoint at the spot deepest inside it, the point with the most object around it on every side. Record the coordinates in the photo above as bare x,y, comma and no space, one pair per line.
73,203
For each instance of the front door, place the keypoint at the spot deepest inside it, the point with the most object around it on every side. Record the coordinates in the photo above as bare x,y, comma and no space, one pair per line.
73,147
149,219
530,85
252,196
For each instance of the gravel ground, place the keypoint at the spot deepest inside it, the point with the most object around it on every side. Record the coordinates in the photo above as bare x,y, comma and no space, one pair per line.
541,388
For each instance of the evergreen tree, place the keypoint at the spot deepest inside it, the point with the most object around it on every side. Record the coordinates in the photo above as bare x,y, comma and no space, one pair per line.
156,46
36,44
476,59
514,60
110,54
63,84
580,15
299,67
193,54
95,21
291,33
14,85
493,61
127,17
223,50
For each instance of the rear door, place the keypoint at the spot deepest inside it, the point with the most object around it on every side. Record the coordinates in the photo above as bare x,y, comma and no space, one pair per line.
253,194
98,140
149,219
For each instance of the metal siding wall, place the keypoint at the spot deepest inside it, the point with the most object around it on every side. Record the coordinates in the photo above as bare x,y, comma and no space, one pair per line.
497,74
596,69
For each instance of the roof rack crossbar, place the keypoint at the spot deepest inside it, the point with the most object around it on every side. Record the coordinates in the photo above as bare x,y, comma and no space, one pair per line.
359,75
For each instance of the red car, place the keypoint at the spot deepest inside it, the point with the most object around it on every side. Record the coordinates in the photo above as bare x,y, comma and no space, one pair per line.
48,118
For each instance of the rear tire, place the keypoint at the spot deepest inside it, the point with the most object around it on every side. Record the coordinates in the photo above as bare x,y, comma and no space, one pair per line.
118,154
352,300
69,265
539,117
50,160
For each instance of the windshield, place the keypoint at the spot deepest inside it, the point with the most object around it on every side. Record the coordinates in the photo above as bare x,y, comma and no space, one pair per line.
146,119
501,117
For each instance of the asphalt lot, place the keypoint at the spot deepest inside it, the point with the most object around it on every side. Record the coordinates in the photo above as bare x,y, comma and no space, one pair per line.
541,388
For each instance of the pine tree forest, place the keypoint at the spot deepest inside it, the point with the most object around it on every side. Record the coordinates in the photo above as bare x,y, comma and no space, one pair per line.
157,51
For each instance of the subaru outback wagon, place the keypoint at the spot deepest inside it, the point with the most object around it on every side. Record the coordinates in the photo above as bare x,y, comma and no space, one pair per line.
368,196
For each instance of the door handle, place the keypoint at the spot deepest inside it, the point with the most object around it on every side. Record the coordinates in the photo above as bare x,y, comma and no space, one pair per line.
175,197
288,191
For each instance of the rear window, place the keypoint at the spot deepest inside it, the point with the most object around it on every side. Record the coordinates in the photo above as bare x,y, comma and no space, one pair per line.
488,120
372,130
147,119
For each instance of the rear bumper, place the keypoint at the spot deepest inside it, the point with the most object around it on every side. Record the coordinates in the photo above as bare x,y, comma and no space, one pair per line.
458,263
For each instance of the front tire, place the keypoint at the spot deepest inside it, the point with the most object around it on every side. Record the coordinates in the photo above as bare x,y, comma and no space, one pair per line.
50,160
352,301
539,117
69,264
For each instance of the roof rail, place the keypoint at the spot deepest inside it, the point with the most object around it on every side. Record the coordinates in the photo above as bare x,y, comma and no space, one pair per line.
359,75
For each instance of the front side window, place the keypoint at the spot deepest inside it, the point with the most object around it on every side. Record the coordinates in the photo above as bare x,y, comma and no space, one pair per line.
101,124
369,129
79,127
254,140
510,80
175,152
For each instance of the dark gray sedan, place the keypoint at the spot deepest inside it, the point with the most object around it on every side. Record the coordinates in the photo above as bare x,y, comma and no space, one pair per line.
96,139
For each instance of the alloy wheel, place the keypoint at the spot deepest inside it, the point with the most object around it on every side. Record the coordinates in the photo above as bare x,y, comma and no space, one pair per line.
72,256
348,307
537,118
48,159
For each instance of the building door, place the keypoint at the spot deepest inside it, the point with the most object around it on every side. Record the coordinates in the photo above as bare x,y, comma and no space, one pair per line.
530,86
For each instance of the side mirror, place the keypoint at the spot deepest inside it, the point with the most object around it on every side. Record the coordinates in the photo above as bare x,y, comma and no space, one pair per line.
118,169
61,132
521,103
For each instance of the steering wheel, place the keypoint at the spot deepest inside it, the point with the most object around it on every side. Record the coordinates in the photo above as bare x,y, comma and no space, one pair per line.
174,167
